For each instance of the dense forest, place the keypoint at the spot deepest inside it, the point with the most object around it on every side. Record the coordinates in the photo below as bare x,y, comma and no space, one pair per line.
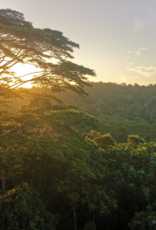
121,109
69,160
101,171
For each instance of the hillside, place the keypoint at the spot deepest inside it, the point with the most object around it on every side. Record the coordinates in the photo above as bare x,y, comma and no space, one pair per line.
122,110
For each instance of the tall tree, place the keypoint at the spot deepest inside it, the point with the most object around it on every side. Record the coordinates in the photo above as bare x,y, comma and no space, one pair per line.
47,50
21,208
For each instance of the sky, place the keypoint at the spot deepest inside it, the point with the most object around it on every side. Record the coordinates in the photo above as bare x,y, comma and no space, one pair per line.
117,38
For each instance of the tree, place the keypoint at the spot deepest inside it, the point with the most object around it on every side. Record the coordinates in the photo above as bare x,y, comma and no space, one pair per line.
54,158
21,208
145,219
47,50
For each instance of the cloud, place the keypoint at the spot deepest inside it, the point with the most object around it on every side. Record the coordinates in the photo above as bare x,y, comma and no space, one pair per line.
138,52
143,70
138,24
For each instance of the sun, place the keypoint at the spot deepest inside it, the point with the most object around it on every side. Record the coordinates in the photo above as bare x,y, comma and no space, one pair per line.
23,69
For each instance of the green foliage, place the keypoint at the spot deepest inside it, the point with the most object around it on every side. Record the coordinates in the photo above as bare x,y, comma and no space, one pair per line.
121,109
44,147
90,226
22,209
104,141
92,135
135,140
144,220
47,152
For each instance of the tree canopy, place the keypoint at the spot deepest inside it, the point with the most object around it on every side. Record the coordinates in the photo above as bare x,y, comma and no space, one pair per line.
47,50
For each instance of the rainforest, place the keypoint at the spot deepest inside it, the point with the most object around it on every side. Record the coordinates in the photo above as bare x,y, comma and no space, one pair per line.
74,154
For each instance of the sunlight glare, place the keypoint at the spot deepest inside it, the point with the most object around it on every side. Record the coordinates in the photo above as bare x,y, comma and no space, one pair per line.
23,69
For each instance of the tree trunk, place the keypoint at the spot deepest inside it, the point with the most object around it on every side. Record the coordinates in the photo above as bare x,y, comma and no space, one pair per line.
3,178
74,212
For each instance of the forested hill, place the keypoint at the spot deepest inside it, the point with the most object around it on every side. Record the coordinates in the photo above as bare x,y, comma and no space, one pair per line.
121,109
117,100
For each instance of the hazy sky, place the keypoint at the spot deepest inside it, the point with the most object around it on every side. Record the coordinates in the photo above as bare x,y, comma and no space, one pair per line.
117,37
